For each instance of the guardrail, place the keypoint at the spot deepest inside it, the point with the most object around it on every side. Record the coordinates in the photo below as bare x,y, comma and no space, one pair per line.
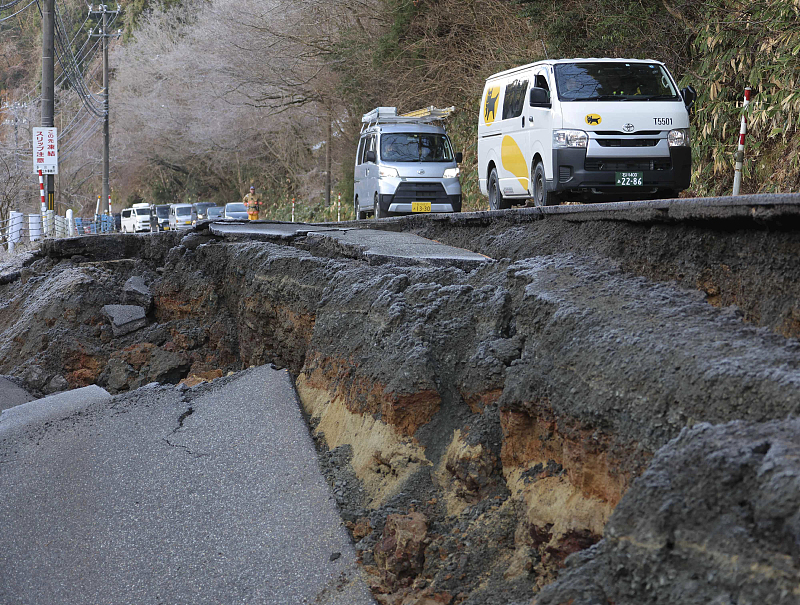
20,229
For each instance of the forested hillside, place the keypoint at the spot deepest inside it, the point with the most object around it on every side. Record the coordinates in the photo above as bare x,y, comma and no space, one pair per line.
209,96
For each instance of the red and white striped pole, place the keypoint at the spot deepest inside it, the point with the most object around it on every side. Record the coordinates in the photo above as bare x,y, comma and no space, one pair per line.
41,190
292,209
739,155
339,208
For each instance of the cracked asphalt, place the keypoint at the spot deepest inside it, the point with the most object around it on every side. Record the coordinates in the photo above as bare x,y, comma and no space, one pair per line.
162,495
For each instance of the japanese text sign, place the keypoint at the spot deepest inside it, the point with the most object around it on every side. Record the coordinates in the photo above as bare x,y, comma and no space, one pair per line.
45,150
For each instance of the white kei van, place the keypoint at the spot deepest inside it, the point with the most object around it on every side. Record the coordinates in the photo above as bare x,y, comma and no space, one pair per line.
405,164
583,130
135,218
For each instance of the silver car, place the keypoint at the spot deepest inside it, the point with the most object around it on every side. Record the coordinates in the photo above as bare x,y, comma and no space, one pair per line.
235,210
405,164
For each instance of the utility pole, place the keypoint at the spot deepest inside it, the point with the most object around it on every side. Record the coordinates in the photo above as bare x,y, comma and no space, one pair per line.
104,12
48,84
328,158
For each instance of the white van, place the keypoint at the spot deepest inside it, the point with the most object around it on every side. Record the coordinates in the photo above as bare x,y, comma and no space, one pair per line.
584,130
405,164
135,218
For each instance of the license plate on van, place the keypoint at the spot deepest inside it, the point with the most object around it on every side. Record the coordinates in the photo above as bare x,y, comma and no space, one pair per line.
630,179
420,206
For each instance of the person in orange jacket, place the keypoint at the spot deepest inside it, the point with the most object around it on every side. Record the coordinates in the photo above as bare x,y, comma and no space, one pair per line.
253,202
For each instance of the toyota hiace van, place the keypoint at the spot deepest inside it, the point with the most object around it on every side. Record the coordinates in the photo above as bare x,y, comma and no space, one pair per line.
583,130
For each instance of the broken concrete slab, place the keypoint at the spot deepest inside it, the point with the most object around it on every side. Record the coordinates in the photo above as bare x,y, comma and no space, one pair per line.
136,292
125,318
12,395
52,408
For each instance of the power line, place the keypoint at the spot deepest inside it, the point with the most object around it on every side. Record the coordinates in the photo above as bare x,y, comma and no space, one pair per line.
18,12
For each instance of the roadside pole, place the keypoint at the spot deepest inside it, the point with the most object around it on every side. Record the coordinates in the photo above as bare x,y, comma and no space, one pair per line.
292,209
104,12
48,92
339,208
739,155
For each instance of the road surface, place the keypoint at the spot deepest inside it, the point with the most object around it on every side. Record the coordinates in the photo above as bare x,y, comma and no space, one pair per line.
163,495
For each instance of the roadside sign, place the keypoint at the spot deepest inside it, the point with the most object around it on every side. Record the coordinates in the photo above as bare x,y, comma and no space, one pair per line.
45,150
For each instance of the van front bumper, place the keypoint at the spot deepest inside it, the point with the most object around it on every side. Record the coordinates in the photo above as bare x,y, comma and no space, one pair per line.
593,177
420,191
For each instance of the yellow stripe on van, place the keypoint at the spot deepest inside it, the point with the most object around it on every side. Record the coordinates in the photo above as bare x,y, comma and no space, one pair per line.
514,161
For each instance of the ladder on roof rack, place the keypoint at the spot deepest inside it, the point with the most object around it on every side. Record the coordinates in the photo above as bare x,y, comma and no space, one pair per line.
389,115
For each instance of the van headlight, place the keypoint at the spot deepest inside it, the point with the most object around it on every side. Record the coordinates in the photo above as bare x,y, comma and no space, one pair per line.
451,173
570,138
388,172
678,137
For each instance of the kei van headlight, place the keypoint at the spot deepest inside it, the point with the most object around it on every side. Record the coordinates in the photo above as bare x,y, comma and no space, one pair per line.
570,138
451,173
388,172
678,137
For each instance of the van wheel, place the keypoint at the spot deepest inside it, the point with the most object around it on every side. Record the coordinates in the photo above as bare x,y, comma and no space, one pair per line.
360,216
540,196
378,213
496,201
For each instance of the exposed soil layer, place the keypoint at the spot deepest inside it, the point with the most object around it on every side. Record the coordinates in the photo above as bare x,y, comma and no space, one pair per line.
477,427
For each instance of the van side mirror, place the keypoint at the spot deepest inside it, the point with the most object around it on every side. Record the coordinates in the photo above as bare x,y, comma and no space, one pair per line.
689,95
540,97
459,157
370,156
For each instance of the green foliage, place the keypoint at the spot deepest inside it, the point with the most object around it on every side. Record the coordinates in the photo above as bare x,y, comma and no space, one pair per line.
752,44
390,45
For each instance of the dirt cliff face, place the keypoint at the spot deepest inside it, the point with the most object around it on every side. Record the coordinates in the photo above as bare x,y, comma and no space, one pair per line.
477,427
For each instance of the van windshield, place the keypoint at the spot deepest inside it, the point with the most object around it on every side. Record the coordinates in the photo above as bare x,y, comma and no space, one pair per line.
415,147
142,211
614,82
162,211
183,210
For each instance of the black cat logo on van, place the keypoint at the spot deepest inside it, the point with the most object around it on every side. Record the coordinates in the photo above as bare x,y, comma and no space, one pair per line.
490,106
593,119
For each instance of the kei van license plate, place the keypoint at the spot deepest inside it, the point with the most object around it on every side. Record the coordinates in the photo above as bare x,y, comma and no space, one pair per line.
420,206
630,179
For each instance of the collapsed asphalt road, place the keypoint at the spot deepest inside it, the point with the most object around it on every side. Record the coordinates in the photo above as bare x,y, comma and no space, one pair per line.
165,495
483,424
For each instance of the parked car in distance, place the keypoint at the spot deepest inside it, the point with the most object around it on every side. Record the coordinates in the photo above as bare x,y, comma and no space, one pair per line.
201,209
159,220
136,218
235,210
181,216
214,212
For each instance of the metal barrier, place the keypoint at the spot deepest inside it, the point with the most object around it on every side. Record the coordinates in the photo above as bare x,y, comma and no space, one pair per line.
21,228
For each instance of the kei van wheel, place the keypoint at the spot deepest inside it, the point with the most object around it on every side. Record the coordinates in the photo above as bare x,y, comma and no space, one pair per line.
496,200
378,212
360,216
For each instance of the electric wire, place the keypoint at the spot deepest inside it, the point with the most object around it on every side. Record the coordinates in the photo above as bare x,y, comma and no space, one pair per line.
18,12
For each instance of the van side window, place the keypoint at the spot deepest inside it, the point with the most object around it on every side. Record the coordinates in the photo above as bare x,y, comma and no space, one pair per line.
371,143
515,99
360,154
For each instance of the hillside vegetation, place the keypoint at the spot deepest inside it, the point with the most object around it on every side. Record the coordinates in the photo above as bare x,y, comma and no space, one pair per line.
211,96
